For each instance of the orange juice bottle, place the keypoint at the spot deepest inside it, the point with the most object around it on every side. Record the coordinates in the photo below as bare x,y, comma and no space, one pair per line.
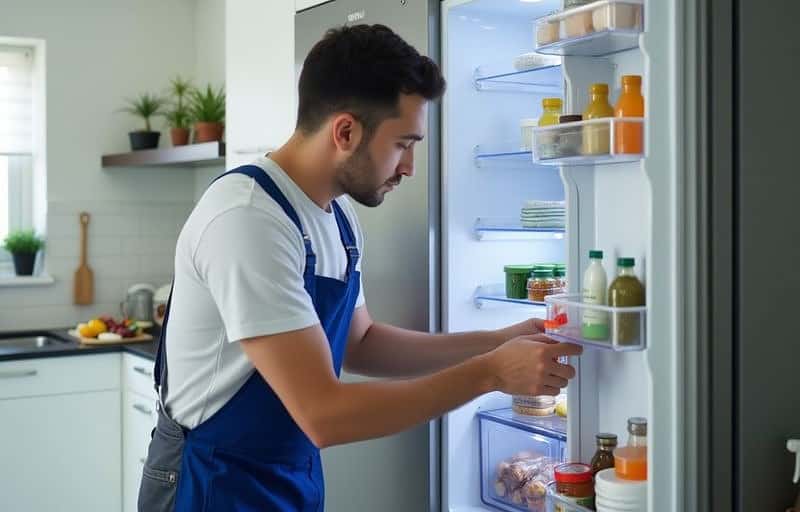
596,137
630,462
628,136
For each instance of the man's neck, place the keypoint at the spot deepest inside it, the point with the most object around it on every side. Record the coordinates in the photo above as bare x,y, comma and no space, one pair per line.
302,160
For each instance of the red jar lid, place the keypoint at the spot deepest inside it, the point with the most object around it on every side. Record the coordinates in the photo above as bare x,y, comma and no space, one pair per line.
573,473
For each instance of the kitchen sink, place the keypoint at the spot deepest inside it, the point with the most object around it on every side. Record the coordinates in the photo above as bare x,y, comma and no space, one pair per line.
30,340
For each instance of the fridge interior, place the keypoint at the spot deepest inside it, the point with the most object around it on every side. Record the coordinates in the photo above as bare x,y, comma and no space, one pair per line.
487,175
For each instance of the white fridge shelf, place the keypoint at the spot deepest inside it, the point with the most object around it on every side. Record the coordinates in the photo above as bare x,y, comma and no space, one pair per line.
596,141
593,30
496,294
512,229
620,329
545,79
505,155
553,500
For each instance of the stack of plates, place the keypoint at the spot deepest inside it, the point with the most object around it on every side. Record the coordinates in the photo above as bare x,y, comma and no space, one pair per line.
543,214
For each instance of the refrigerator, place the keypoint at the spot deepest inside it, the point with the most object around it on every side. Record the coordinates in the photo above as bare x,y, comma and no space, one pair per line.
436,250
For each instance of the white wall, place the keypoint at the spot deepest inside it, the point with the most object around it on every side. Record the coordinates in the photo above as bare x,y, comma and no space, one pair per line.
99,53
209,67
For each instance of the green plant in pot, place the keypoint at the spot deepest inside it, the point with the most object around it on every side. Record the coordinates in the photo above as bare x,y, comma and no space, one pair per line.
23,246
207,109
145,106
177,115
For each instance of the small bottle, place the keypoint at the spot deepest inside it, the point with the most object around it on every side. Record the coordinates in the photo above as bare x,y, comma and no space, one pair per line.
626,291
604,456
628,135
596,136
547,141
594,324
630,462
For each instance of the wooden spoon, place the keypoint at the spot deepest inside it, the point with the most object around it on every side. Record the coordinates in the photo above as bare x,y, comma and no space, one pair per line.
84,288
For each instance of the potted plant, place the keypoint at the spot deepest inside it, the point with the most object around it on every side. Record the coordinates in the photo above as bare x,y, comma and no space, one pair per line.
145,106
207,109
23,246
178,116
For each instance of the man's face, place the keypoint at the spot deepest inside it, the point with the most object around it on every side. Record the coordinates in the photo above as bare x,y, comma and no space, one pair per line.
377,167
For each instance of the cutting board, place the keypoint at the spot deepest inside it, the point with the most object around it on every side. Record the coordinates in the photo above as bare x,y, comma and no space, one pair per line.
94,341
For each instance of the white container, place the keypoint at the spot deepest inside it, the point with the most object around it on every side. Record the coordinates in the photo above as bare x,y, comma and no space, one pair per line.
617,16
526,127
613,494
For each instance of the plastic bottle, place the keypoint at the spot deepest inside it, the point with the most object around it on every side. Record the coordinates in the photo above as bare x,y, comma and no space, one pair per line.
596,136
626,291
630,462
594,324
628,135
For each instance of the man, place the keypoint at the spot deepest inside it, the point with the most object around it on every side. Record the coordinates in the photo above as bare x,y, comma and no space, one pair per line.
267,303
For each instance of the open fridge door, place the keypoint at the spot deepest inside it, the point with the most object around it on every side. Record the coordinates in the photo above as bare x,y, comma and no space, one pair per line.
622,202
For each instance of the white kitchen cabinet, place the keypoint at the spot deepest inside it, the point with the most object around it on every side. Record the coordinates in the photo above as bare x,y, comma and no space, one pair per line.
59,434
138,420
259,77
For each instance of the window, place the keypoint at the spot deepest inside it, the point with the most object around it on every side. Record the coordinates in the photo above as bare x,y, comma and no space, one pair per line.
18,137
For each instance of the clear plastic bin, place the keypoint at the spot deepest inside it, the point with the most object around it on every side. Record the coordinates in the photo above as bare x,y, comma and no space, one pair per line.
555,503
588,142
620,329
518,454
596,29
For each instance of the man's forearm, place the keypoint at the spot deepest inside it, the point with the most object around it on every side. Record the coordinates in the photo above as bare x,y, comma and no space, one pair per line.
388,351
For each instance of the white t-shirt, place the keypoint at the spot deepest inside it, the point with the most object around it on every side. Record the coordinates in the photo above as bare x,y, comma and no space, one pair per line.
239,265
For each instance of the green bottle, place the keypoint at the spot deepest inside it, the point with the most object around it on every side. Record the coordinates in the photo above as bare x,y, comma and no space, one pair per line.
626,291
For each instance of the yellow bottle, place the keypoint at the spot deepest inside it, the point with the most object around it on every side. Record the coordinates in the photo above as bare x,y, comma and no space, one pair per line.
547,144
597,137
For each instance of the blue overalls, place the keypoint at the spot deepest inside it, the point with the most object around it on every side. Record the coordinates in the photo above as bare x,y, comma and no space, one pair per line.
250,455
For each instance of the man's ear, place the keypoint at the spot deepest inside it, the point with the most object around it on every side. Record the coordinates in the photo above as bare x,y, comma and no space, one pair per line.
346,132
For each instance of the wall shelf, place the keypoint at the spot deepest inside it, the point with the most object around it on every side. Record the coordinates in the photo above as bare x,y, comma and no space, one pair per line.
511,229
191,155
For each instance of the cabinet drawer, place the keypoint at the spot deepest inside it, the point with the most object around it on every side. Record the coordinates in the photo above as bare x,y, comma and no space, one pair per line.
59,375
138,419
137,375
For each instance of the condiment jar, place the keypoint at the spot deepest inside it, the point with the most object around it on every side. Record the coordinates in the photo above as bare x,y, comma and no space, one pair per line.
540,284
604,456
575,484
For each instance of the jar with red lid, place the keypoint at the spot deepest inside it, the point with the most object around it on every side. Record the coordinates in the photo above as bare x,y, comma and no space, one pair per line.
574,484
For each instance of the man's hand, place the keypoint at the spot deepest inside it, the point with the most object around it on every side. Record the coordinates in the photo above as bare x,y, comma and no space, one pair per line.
528,365
526,328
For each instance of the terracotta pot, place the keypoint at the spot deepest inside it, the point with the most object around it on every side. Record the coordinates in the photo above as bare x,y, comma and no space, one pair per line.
144,140
180,136
207,132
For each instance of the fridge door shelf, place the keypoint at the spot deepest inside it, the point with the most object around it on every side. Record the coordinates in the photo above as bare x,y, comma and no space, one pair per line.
596,141
506,155
593,30
534,451
512,229
553,499
544,79
496,294
612,328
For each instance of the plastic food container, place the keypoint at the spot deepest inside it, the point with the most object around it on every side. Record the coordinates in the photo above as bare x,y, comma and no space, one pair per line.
547,33
574,484
517,280
614,494
533,405
617,16
526,127
577,24
570,141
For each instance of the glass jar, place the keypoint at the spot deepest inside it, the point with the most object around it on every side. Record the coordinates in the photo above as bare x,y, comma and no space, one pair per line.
540,284
574,483
604,456
560,279
533,405
630,462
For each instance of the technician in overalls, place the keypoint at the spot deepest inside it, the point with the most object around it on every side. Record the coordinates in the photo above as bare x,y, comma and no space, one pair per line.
267,303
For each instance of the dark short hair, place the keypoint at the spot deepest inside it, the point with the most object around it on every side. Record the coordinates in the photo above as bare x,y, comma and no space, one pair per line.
362,69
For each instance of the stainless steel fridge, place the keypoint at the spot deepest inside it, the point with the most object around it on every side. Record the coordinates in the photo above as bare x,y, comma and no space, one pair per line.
401,276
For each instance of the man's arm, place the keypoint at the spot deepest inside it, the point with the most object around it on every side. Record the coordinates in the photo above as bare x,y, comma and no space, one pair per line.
298,367
382,350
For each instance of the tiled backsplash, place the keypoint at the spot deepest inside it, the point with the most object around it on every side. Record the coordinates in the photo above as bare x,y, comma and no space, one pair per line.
129,242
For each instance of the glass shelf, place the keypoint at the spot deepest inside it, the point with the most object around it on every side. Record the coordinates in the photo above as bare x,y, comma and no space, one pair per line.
554,499
593,30
496,293
544,79
510,229
611,328
552,426
606,140
505,155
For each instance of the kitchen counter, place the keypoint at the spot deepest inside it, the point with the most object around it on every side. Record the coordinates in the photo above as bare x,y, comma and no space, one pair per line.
73,347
